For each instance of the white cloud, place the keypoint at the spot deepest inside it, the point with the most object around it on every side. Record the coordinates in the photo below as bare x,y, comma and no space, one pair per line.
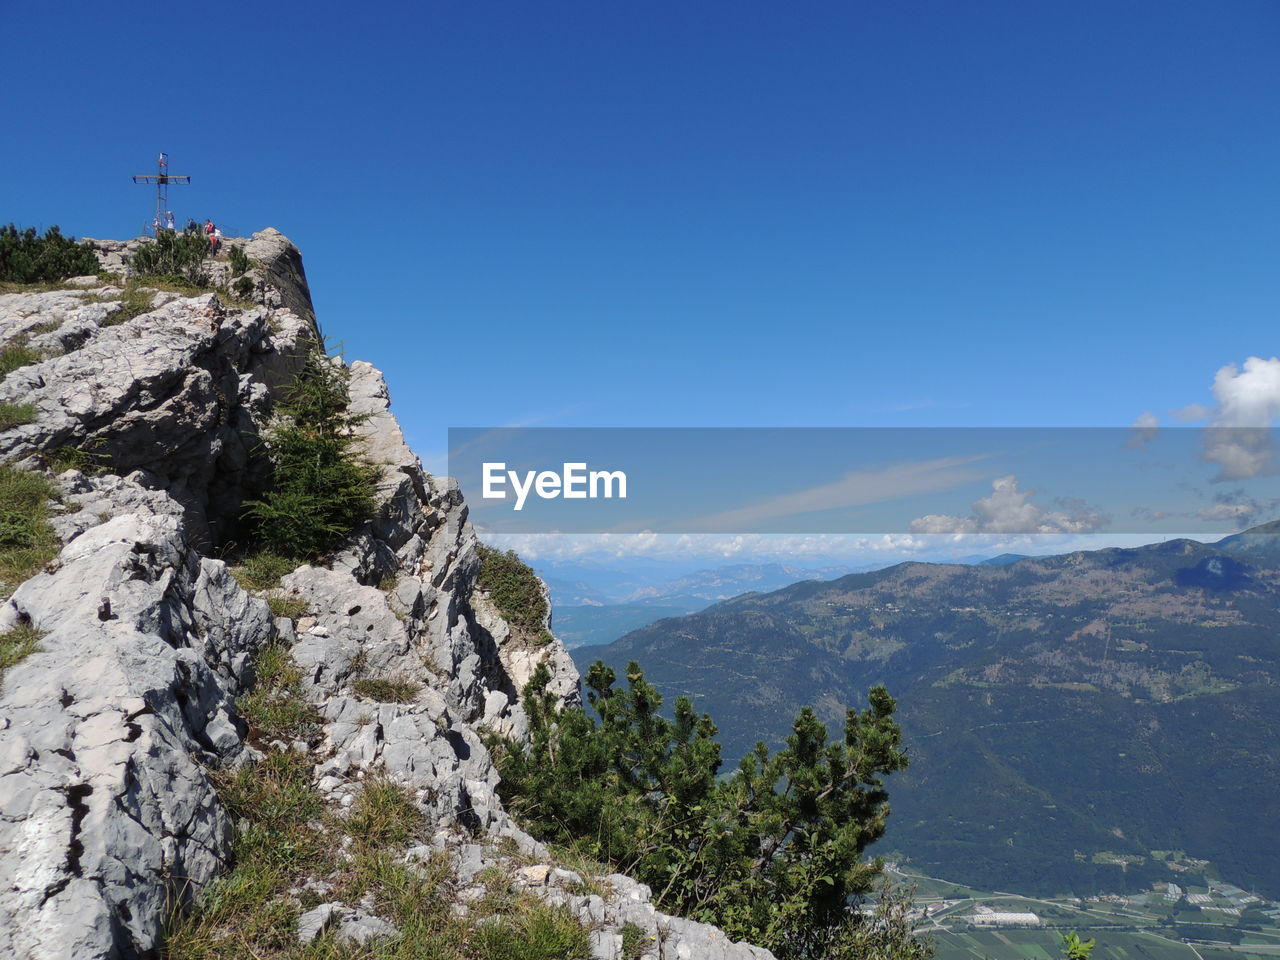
1237,436
855,489
1239,507
1191,413
1248,401
1145,428
1010,510
715,549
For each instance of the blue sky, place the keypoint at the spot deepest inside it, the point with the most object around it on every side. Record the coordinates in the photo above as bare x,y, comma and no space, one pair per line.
745,213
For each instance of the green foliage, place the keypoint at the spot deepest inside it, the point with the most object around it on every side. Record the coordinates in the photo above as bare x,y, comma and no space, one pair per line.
134,301
384,814
287,834
262,570
16,645
239,261
634,941
16,414
27,541
15,354
535,931
287,606
320,488
516,592
887,933
243,288
174,257
275,708
1073,948
28,258
386,690
772,854
282,834
75,458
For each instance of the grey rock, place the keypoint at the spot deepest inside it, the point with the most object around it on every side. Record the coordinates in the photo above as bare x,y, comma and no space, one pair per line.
363,927
107,733
314,922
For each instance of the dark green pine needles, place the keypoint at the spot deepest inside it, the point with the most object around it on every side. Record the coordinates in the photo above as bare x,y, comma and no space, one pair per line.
321,489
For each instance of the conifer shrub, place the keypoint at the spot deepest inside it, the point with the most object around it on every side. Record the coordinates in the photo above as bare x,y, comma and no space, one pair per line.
174,258
771,854
26,257
320,488
516,592
239,261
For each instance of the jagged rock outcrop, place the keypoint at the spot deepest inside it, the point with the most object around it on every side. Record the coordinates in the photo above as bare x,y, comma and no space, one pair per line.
111,732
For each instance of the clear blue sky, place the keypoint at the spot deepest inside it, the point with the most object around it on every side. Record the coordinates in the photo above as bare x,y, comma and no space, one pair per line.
712,213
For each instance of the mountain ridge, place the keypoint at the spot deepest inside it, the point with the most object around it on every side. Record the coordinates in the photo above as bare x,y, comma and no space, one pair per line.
1147,661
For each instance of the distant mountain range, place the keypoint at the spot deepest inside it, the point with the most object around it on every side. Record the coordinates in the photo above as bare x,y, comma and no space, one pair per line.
597,604
1065,715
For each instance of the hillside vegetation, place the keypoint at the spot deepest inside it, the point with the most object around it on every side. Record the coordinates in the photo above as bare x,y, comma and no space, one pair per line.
1061,708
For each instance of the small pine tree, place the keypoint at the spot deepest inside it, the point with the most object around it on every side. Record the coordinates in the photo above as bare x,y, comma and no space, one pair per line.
320,489
175,257
771,854
28,258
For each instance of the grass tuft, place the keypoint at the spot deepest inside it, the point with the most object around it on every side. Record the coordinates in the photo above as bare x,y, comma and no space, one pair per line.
262,570
386,690
287,606
532,931
135,301
16,415
385,814
16,353
74,458
27,541
275,707
16,645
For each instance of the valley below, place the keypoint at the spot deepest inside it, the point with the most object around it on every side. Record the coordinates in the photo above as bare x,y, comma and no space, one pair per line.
1067,718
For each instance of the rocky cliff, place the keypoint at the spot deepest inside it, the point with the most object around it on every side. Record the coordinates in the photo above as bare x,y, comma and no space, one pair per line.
115,731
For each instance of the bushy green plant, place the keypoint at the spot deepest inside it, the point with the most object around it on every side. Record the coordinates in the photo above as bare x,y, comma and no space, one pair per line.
173,257
239,261
26,257
772,854
320,488
1073,948
516,592
634,941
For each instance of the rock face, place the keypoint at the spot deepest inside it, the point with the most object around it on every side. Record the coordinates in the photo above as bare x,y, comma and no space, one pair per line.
109,733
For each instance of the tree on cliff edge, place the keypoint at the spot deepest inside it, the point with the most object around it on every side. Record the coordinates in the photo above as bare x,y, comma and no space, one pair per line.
320,488
772,854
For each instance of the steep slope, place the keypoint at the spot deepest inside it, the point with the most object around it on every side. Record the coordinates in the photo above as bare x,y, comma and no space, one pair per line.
1059,710
115,730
